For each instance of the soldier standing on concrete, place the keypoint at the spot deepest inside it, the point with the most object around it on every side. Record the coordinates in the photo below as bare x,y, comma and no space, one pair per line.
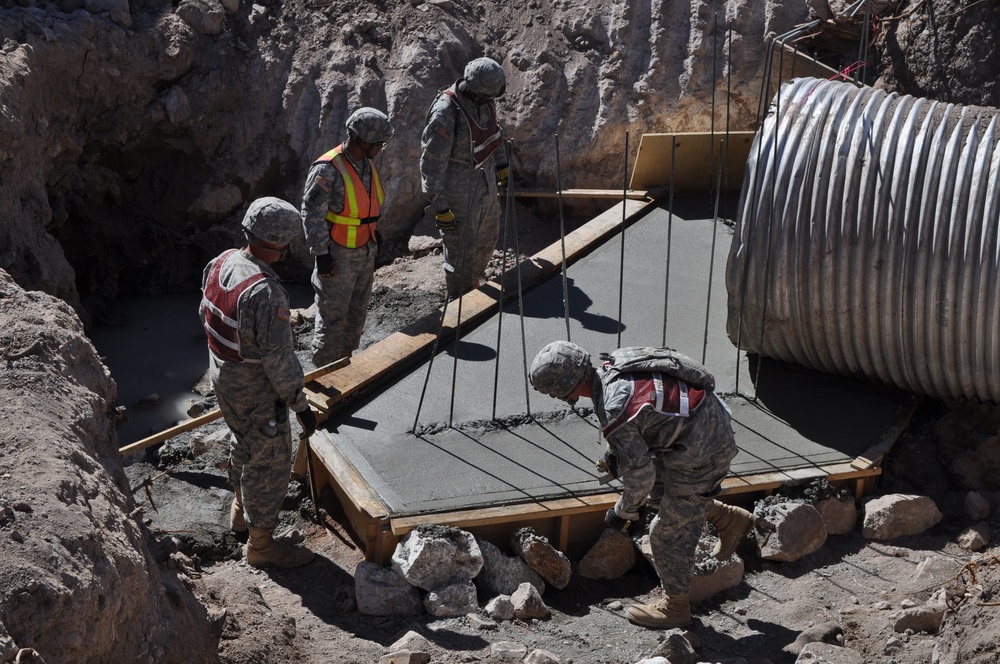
340,209
462,166
257,376
670,441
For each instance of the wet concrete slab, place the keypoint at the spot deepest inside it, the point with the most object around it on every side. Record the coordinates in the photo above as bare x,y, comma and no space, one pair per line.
473,443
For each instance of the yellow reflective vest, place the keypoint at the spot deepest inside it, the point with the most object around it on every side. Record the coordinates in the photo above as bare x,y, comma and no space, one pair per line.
354,224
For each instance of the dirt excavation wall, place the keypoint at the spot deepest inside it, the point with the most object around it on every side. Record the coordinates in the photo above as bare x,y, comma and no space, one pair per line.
134,134
77,580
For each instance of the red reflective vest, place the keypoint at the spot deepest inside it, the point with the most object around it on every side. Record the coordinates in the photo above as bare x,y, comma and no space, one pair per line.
220,307
353,225
485,139
664,394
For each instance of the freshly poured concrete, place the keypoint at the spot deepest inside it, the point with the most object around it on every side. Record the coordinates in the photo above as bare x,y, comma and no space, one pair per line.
799,423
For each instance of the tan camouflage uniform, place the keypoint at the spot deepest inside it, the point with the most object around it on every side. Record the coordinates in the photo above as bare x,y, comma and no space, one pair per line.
450,180
686,472
253,393
341,297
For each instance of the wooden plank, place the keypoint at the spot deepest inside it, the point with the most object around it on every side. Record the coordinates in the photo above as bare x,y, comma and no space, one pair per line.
345,477
488,515
204,418
639,195
692,161
411,344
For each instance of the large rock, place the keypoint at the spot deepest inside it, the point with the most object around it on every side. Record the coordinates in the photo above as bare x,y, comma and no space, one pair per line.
452,600
798,531
611,557
550,563
502,574
899,515
839,516
430,557
382,592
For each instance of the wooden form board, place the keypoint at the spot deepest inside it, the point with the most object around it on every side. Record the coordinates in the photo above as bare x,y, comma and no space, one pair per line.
566,522
693,159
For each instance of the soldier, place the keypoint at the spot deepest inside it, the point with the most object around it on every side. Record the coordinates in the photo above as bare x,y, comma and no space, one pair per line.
462,166
670,441
257,376
340,209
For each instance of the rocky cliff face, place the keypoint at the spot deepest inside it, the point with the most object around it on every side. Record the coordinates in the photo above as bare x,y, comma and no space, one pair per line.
134,135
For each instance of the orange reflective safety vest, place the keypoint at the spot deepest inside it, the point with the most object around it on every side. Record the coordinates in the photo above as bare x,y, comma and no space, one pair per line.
353,225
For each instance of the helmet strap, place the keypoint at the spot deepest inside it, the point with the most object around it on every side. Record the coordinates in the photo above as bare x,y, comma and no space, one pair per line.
264,250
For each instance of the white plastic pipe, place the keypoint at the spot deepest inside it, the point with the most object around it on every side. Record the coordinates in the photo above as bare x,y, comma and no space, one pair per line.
867,240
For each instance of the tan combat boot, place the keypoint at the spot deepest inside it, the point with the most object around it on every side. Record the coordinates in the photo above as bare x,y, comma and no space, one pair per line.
263,550
733,523
667,613
237,522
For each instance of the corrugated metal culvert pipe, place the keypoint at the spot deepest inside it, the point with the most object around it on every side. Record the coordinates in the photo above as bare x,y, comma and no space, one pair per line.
867,240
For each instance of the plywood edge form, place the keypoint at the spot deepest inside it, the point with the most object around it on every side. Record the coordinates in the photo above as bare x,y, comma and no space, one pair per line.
692,161
568,520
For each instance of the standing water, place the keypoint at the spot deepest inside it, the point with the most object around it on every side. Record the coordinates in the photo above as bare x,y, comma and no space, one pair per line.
156,358
161,351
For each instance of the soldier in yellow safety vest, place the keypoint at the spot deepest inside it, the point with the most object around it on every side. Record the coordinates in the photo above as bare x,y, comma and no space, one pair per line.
341,204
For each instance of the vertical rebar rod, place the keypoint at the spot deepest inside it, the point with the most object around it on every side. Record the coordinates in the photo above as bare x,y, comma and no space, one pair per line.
711,260
430,364
863,42
508,202
520,304
562,241
729,96
715,68
670,230
621,260
467,247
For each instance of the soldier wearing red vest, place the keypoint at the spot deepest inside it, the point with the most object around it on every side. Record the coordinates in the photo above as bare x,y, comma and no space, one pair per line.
341,205
462,166
670,441
257,376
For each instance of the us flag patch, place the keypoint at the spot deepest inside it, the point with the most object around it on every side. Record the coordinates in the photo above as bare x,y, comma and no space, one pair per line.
322,183
284,314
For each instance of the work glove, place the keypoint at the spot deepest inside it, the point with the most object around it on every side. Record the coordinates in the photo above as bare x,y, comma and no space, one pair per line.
615,522
608,464
307,419
324,264
503,173
445,220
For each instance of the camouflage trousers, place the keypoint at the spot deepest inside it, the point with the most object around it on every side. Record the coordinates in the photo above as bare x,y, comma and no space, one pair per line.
673,540
342,302
469,247
260,457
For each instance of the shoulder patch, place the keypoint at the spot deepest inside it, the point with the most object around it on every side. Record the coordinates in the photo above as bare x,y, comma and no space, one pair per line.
322,183
284,314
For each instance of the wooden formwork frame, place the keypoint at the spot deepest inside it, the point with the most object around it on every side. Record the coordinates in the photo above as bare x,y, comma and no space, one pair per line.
566,522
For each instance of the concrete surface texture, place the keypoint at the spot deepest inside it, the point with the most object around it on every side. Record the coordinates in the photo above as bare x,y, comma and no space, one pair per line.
464,454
